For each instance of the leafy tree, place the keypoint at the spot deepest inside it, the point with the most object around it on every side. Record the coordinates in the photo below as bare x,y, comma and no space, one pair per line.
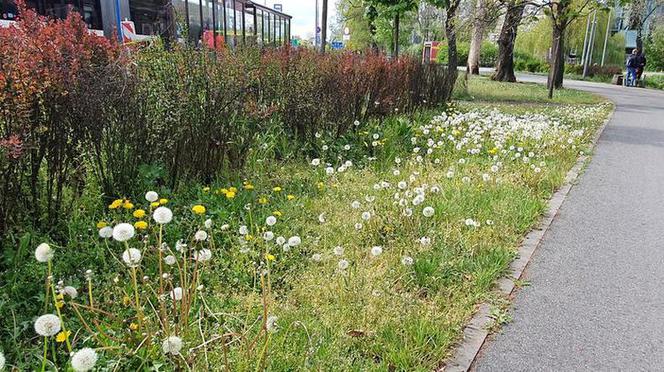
561,13
394,9
508,33
450,7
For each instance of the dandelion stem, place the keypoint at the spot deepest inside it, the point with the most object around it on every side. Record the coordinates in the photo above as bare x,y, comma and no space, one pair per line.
57,309
138,305
45,354
92,305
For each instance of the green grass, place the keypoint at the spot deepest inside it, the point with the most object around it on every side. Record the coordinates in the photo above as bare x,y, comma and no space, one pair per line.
378,314
483,89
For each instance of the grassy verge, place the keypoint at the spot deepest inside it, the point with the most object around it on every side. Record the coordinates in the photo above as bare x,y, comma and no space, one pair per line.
391,236
483,89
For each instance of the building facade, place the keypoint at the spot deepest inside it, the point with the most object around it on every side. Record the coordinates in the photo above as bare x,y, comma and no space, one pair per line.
229,22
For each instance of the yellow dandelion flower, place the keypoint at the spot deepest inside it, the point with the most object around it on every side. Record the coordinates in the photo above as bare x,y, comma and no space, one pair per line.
320,185
223,191
277,213
126,300
276,189
128,205
163,201
139,213
230,194
262,200
206,189
154,204
248,237
232,189
269,257
117,203
290,197
198,209
133,326
141,225
101,224
248,186
62,336
59,304
493,151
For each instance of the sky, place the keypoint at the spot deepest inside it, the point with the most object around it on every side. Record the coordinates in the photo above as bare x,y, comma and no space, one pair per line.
303,13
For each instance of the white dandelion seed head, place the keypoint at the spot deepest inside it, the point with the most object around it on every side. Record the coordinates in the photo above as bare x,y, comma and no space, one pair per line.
243,230
315,162
316,257
123,232
208,223
44,253
294,241
176,294
280,240
355,204
106,232
338,250
376,250
366,216
131,257
203,255
347,147
321,217
200,235
70,291
402,185
329,171
425,240
172,345
151,196
48,325
169,260
271,220
162,215
271,323
358,226
225,227
2,360
407,212
268,235
428,211
180,246
84,360
285,247
407,260
343,264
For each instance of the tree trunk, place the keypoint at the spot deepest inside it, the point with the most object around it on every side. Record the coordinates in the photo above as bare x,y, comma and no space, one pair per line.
395,37
452,56
555,80
323,31
479,22
505,61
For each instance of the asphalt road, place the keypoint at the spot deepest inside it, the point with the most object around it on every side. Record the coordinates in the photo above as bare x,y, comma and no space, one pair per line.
596,296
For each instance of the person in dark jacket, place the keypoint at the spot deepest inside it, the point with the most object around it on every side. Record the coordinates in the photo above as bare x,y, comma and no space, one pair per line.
632,64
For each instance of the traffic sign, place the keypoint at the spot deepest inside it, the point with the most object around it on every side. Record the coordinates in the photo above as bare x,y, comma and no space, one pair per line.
337,45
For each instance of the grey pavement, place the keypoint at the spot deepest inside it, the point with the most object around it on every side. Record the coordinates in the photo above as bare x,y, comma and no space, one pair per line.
596,296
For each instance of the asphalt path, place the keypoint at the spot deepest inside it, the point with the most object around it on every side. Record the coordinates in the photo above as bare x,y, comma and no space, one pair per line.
595,299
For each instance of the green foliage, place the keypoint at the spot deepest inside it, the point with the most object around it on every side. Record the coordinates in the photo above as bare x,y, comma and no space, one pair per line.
488,53
655,50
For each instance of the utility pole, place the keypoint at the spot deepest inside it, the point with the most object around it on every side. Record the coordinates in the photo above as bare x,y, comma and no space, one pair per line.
591,42
323,31
316,28
606,36
585,41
